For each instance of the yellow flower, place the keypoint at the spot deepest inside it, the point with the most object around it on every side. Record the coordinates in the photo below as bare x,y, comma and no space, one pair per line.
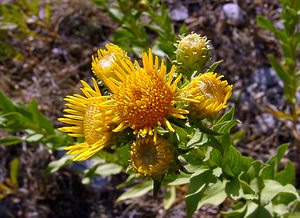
151,158
80,114
103,65
144,99
192,53
209,92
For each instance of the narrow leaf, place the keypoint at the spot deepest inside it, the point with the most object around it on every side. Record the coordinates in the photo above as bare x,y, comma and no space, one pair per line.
137,190
14,170
10,140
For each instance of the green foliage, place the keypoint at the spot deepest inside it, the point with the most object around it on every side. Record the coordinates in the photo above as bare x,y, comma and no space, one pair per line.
215,171
11,184
142,24
15,18
137,190
28,125
289,40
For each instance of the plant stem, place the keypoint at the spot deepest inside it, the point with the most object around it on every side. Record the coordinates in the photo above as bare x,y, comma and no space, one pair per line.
295,132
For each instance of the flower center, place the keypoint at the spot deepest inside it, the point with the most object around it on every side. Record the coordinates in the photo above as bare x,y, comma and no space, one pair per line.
148,155
211,90
143,100
151,158
90,125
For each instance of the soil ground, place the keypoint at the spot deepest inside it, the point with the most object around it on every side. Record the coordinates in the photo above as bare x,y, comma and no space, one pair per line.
53,66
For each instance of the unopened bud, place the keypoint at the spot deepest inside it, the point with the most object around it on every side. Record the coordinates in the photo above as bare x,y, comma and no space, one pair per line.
192,53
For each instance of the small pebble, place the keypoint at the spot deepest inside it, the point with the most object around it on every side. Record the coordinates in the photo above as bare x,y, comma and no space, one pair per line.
233,14
179,13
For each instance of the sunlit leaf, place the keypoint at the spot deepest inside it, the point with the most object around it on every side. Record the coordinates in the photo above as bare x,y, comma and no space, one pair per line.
10,140
214,66
169,197
57,164
137,190
273,188
108,169
14,170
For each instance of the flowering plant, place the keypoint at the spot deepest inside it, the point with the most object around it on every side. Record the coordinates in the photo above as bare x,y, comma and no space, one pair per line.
164,124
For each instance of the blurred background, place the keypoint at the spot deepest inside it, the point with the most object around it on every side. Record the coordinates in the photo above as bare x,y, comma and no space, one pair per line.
46,49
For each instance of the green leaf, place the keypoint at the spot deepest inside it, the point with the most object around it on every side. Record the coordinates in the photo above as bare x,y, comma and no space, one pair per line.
7,25
214,66
137,190
47,13
264,23
183,29
233,189
42,121
287,175
206,130
6,104
236,212
15,121
57,141
225,126
198,137
282,74
33,137
297,39
293,215
14,170
116,14
273,188
260,212
120,155
10,140
269,171
108,169
213,193
54,166
232,162
199,178
176,179
201,139
198,183
228,116
169,197
280,209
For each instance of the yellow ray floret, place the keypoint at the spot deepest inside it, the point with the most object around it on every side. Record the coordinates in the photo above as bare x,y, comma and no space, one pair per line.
145,98
103,65
80,114
209,92
151,158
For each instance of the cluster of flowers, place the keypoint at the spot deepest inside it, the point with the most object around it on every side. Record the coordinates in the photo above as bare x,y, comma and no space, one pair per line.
141,99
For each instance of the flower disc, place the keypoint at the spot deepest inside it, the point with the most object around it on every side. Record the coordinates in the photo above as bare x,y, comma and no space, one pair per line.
150,158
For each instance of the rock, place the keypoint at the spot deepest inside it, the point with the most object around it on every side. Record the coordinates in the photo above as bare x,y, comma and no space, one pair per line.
264,87
266,123
178,13
265,77
279,25
233,14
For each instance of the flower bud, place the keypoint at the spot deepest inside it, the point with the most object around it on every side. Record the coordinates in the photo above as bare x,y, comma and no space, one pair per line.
103,66
209,92
151,157
192,53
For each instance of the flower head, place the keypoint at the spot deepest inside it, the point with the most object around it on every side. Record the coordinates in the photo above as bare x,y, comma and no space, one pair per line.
80,114
103,65
209,92
151,158
144,99
192,53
